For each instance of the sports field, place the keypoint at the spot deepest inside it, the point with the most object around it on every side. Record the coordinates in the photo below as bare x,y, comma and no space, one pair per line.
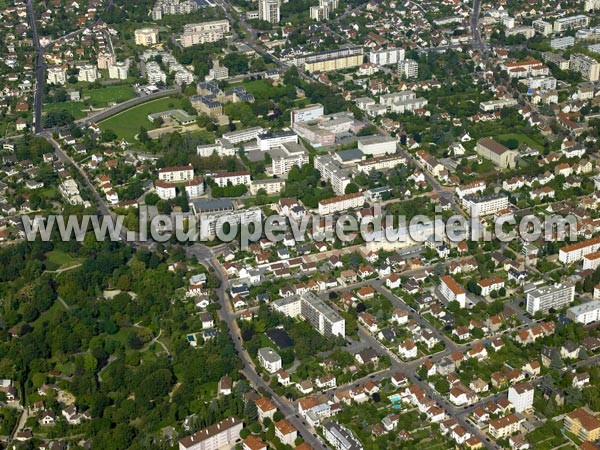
127,123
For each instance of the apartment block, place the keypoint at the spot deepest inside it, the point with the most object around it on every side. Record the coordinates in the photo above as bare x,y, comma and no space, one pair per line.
521,396
575,252
542,27
452,291
224,433
201,33
88,73
587,66
504,426
146,36
342,58
56,75
286,156
582,424
380,163
341,203
571,23
223,179
332,171
484,206
550,297
408,68
269,10
176,174
118,71
585,313
269,359
388,56
315,311
340,437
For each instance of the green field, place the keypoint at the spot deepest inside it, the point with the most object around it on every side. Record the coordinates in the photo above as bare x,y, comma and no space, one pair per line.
75,108
108,94
127,123
261,89
57,259
523,139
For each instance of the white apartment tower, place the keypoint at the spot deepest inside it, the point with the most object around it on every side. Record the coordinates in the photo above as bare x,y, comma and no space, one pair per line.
269,10
57,75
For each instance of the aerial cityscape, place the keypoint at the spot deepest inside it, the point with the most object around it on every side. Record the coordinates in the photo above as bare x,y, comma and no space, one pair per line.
299,224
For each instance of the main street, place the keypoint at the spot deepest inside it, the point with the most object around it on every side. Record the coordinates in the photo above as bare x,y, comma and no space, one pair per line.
249,370
40,67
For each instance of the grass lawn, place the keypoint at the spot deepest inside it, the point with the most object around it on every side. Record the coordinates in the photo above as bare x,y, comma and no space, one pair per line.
127,123
75,108
57,259
108,94
523,139
261,88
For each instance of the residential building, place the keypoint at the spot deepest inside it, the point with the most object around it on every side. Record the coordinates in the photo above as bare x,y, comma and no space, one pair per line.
176,174
269,359
381,163
57,75
521,396
271,186
146,36
497,105
408,68
583,424
504,426
588,67
332,171
326,61
314,310
562,43
269,10
341,203
324,9
387,56
165,190
585,313
88,73
452,291
285,157
118,70
571,23
575,252
340,437
542,27
550,297
223,179
224,433
286,432
484,206
202,33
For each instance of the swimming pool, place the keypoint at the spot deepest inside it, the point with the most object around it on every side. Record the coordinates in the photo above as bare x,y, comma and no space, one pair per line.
395,398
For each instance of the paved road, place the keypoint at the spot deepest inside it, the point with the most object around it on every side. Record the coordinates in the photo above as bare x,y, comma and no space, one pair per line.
40,67
285,407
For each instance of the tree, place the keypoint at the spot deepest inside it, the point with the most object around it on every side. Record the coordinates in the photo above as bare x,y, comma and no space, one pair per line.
143,136
351,189
251,412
